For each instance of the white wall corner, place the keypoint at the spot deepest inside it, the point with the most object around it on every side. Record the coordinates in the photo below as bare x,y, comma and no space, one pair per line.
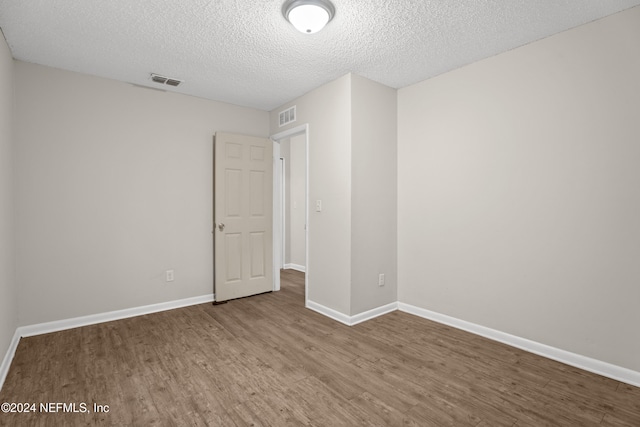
599,367
8,357
374,312
329,312
352,320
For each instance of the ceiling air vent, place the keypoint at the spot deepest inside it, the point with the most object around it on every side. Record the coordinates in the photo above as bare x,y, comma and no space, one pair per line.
165,80
287,116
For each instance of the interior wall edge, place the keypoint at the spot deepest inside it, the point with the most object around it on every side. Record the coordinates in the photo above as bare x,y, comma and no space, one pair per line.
329,312
356,318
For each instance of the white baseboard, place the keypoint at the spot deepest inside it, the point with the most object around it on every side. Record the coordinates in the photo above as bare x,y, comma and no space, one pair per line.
76,322
375,312
352,320
8,358
599,367
296,267
329,312
609,370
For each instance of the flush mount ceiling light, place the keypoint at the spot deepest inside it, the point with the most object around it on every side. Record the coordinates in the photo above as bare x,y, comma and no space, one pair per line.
308,16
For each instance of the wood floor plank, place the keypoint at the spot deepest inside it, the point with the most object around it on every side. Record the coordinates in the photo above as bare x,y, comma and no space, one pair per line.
267,360
534,406
381,412
612,421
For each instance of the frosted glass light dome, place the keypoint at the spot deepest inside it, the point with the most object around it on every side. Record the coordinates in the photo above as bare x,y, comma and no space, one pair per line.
308,16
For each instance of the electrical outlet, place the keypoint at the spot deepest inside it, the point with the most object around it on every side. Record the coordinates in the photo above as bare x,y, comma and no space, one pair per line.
381,279
169,275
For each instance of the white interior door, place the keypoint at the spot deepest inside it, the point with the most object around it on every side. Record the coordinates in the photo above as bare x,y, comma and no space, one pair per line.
243,207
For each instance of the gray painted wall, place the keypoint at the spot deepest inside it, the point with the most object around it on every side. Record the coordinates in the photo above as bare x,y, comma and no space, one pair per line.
374,194
327,110
352,167
8,288
518,191
114,186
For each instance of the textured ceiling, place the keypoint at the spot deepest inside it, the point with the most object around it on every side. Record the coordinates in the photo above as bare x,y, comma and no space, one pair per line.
245,53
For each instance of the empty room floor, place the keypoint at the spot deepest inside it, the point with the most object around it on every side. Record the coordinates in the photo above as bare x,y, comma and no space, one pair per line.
266,360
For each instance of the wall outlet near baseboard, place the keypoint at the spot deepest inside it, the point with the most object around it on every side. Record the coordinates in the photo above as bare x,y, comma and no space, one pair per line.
381,279
169,275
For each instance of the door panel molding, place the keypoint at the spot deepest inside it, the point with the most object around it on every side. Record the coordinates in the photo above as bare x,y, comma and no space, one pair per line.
243,210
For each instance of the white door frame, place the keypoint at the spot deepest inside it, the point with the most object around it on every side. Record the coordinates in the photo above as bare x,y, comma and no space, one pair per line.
278,210
283,207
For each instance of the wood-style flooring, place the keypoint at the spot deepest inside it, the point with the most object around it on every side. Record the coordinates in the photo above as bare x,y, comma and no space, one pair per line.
266,360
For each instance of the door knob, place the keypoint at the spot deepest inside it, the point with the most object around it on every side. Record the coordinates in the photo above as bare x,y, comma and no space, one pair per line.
221,226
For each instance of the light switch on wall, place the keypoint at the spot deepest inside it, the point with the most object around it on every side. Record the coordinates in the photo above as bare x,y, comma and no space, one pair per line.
318,205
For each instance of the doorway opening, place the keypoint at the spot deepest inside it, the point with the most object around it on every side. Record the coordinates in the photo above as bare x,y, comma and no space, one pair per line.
291,203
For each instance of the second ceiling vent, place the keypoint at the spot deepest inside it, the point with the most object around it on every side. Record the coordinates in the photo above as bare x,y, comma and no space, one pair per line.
165,80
